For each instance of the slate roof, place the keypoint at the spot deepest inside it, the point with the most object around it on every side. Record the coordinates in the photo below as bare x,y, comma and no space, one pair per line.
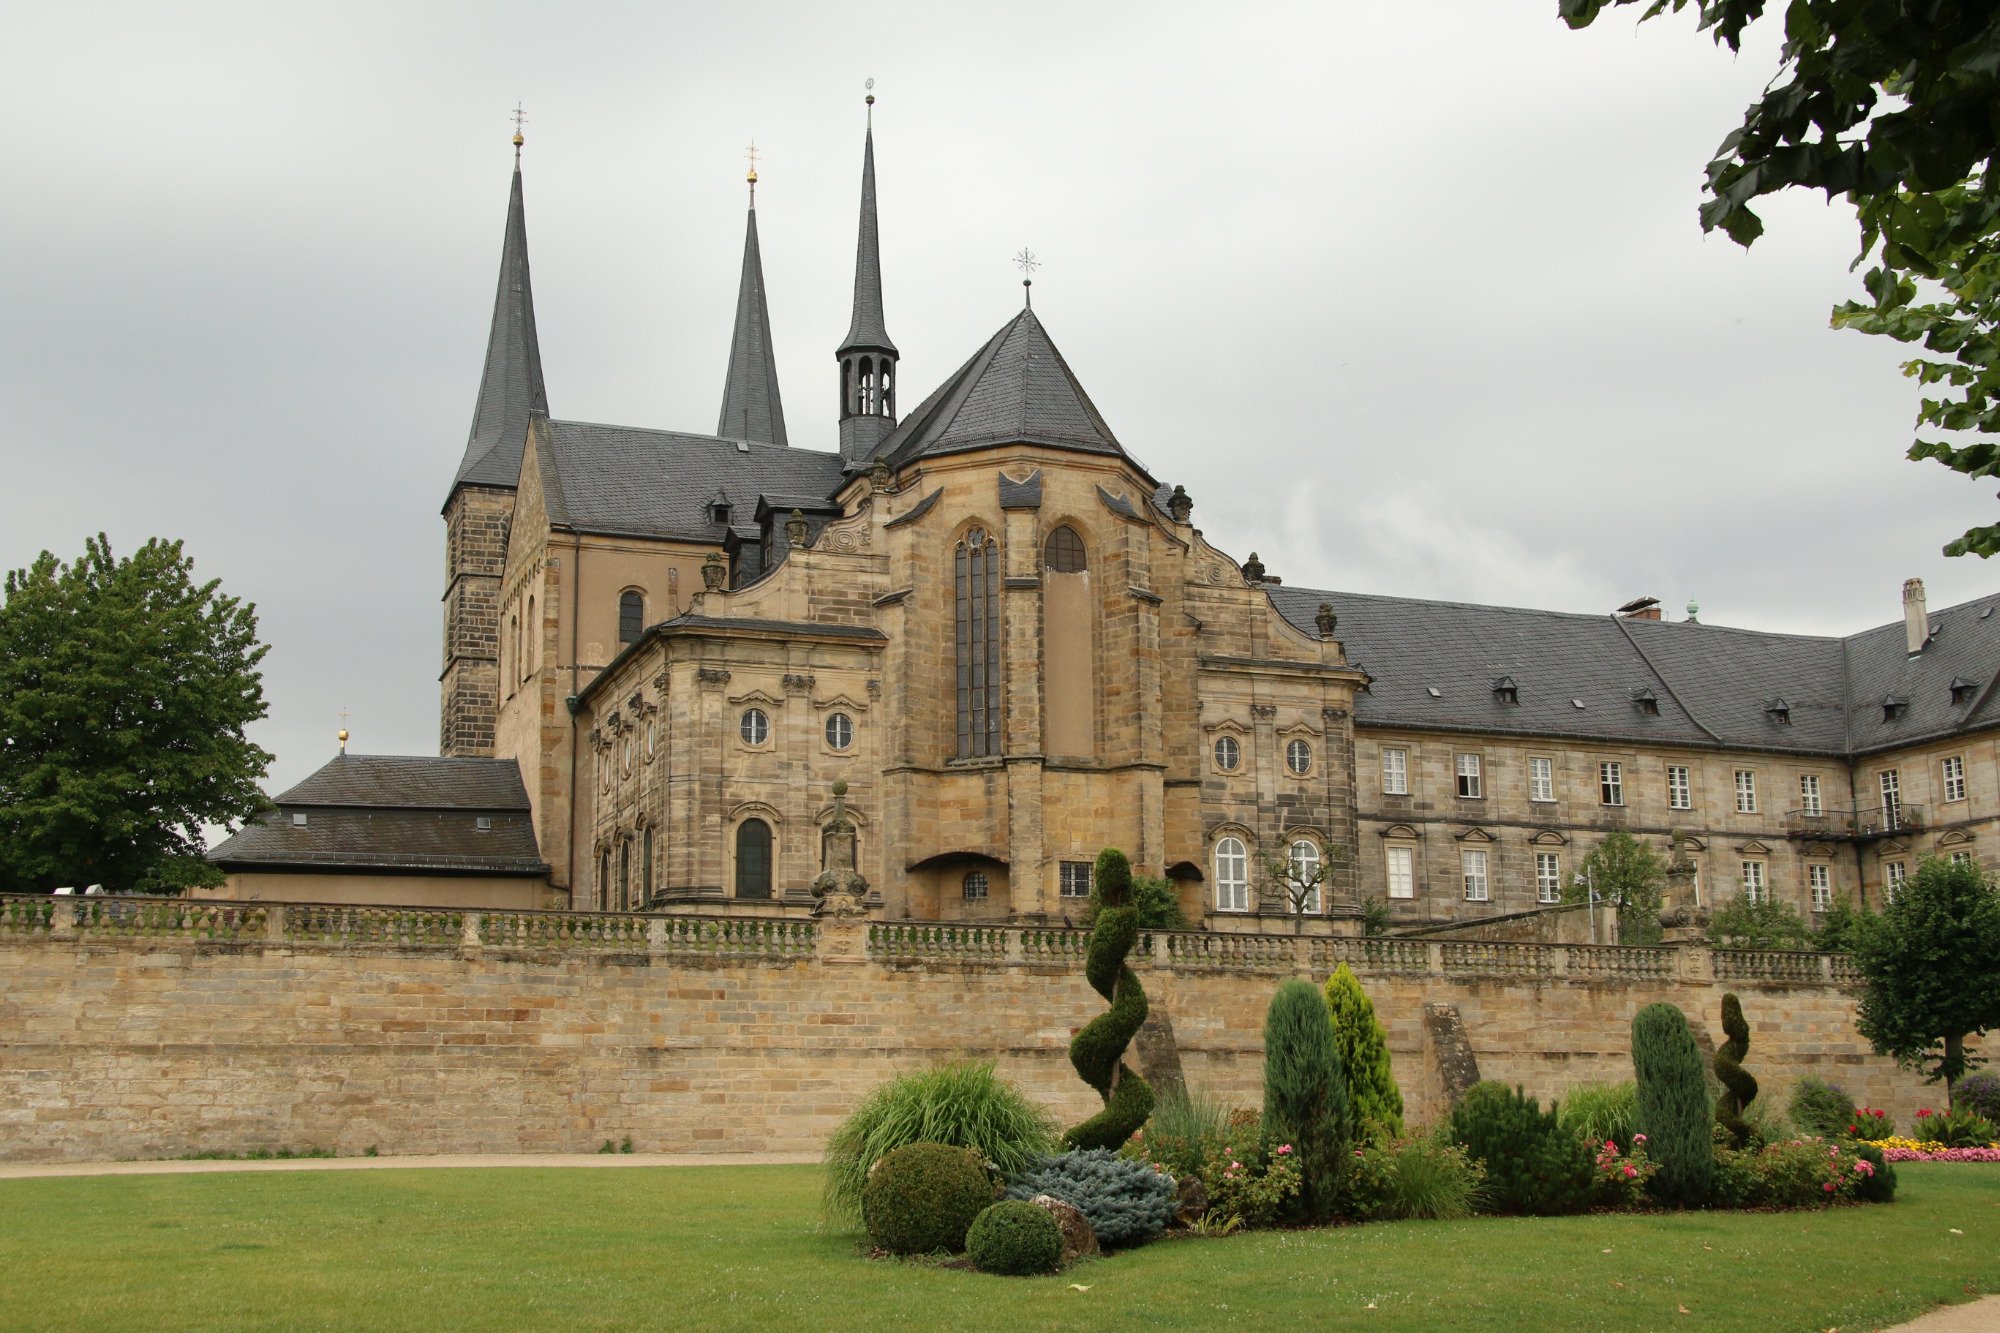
867,329
620,480
751,406
1017,388
1712,684
511,385
395,812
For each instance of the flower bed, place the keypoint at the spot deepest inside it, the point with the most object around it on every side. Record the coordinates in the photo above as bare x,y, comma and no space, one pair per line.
1929,1150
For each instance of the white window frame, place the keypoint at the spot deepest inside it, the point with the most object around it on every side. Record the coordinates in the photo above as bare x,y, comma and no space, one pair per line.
1064,875
1548,878
1299,757
1474,868
1809,797
1819,886
1952,767
1470,786
1395,771
753,728
839,731
1234,750
1232,875
1303,860
1680,788
1894,875
1746,791
1541,778
1610,782
1890,782
1961,857
1400,870
1756,888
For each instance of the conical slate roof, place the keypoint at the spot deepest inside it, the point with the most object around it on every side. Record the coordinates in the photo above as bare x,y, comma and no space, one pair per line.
751,408
867,329
511,385
1015,389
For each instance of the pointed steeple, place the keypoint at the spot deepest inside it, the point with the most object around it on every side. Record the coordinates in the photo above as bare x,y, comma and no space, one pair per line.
751,408
511,386
867,356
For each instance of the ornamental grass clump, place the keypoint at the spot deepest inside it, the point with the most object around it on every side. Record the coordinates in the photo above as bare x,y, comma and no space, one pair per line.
1014,1238
1533,1165
1305,1095
1674,1109
1374,1101
964,1104
1739,1089
921,1198
1126,1202
1183,1129
1098,1048
1818,1107
1422,1177
1595,1112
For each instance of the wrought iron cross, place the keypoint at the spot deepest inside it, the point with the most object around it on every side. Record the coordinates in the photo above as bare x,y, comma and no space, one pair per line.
1027,263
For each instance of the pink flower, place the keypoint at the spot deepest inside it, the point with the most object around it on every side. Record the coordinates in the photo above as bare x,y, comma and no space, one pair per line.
1630,1172
1284,1149
1924,1114
1864,1169
1638,1138
1236,1166
1611,1144
1828,1187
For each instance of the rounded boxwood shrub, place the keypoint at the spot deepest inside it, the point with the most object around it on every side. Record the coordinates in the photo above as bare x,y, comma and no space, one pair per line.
1014,1237
922,1198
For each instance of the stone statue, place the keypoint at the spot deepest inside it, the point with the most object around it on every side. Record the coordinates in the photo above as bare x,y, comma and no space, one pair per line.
839,889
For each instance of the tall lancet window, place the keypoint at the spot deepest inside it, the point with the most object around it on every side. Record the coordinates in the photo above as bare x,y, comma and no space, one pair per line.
977,567
1069,657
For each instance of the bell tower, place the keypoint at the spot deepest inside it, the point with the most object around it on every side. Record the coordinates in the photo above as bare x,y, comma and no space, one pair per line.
867,356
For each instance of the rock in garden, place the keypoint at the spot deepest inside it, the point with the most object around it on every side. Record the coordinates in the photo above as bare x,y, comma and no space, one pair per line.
1191,1201
1079,1240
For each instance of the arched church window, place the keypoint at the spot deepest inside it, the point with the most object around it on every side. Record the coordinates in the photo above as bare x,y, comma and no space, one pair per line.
646,870
514,644
603,881
753,859
867,402
1063,552
976,568
631,616
1232,876
531,651
625,875
1304,867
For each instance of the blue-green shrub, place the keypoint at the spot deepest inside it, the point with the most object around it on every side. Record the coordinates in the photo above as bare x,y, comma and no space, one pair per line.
1126,1202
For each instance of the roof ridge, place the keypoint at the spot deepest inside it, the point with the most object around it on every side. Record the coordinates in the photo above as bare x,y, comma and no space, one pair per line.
1661,676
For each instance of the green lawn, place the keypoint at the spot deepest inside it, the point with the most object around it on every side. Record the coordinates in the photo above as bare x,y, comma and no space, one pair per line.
737,1247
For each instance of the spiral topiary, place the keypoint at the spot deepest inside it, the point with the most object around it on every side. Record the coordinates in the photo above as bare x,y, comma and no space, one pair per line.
1013,1238
1738,1088
1098,1047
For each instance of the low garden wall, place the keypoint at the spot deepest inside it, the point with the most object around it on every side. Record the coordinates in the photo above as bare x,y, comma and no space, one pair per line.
155,1028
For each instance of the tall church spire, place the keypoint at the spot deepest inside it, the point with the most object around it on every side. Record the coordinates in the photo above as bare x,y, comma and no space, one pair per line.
751,408
867,357
511,385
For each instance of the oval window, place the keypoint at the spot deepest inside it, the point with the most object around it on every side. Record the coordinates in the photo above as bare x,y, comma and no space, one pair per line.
1228,754
840,731
755,727
1299,757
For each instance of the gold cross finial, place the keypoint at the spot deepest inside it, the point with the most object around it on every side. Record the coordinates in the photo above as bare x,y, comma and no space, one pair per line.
343,731
750,154
519,118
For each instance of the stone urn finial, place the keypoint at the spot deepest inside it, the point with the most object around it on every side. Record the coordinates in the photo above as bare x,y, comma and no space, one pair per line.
1180,504
839,889
795,530
1326,620
1253,569
714,573
881,478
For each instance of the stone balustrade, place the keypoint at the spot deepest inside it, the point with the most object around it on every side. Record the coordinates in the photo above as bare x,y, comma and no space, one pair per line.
787,937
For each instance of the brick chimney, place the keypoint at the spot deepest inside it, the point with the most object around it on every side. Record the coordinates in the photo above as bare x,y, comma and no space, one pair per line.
1642,608
1916,617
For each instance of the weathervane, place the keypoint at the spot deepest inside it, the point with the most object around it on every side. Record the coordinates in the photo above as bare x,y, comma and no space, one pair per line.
343,731
519,118
751,154
1027,263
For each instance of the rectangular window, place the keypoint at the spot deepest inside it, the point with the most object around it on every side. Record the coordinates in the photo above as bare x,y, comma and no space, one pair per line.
1402,872
1954,778
1475,877
1893,875
1892,798
1541,779
1468,776
1395,773
1680,794
1809,794
1961,858
1820,880
1548,878
1611,783
1753,881
1746,792
1075,879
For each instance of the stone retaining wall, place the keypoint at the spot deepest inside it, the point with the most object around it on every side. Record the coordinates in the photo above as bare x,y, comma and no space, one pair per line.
154,1028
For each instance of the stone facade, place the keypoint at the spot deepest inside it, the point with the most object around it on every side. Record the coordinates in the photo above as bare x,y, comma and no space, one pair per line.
477,521
156,1029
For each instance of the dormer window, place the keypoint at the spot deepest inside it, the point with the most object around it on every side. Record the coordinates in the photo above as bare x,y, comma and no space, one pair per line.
1779,712
1962,690
1505,691
1646,702
298,819
1893,706
718,511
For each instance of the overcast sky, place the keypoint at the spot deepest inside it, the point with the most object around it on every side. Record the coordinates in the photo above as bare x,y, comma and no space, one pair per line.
1410,296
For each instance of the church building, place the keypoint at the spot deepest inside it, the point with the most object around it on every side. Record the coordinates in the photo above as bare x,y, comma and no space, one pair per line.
1012,643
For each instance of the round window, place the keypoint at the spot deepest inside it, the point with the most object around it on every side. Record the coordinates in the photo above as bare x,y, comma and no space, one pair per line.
840,731
975,885
1228,754
1299,757
755,727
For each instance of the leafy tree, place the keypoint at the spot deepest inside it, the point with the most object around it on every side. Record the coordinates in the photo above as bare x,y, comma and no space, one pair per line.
1301,886
1890,104
1840,926
1931,962
1632,877
1764,924
124,691
1372,1094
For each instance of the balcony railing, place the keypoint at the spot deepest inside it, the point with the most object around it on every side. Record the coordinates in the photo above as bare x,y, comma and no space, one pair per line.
1879,821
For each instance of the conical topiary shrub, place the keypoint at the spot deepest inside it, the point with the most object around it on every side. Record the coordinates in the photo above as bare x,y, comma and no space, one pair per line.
1372,1095
1674,1112
1098,1048
1305,1095
1738,1088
